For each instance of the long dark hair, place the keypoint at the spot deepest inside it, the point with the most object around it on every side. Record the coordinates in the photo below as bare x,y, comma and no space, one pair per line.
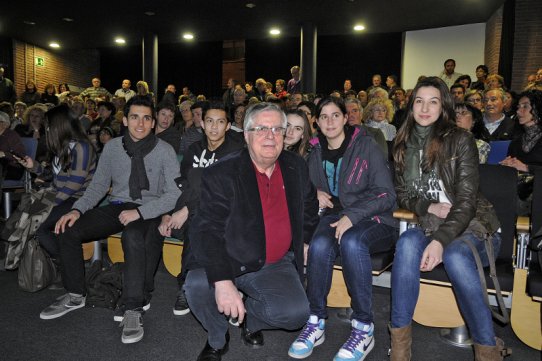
444,124
62,127
535,98
302,146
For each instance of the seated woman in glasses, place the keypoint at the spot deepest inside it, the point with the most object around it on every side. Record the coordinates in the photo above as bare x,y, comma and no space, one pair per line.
356,197
471,119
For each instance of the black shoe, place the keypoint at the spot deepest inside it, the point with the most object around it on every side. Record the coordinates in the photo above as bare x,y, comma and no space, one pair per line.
181,305
212,354
252,339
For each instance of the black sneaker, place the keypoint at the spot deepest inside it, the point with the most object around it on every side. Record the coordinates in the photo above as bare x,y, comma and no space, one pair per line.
181,305
121,309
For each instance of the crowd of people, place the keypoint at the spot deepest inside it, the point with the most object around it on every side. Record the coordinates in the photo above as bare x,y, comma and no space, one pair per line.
267,181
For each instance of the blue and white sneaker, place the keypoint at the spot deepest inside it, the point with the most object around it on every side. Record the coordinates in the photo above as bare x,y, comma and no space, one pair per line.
359,344
311,336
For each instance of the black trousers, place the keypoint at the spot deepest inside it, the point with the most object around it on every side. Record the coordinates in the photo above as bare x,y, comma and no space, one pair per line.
45,233
141,243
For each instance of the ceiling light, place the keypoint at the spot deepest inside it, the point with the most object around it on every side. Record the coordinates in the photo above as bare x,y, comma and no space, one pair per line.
359,27
69,20
54,45
120,41
274,31
250,5
188,36
149,13
28,22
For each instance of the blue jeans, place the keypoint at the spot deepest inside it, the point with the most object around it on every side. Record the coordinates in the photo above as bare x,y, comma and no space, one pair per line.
357,245
274,299
461,268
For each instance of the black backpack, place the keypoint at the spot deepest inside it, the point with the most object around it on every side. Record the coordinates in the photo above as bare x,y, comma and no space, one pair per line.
104,285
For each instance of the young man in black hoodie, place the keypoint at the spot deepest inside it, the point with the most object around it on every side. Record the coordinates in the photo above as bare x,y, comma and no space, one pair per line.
213,147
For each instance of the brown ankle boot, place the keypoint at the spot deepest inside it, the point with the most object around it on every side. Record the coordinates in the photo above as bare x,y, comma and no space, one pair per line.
401,342
491,353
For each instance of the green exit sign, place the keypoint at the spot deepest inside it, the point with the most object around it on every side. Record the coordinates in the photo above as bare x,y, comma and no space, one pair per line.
39,61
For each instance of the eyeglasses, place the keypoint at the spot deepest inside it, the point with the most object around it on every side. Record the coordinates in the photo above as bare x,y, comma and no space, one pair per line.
462,113
380,110
263,131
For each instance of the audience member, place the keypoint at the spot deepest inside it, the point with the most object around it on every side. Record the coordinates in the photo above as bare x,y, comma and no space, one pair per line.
482,71
376,82
448,75
464,80
436,177
9,140
49,95
378,114
495,81
96,91
497,125
298,133
165,114
143,90
356,221
30,96
73,166
125,91
194,133
458,93
137,199
210,149
280,91
262,258
7,90
309,109
471,119
475,98
294,84
525,152
34,127
238,117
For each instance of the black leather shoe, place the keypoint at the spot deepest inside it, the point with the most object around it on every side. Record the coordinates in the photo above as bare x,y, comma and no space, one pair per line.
212,354
252,339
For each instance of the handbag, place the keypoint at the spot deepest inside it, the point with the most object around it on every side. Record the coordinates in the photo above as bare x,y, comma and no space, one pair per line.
34,210
36,269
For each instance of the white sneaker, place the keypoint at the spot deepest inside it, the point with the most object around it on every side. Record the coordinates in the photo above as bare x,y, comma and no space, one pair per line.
359,344
311,336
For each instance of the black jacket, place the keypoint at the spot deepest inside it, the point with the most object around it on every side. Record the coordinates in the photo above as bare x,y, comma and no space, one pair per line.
507,130
228,233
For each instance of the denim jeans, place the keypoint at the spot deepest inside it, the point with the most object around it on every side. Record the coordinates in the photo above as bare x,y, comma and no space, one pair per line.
274,299
141,244
357,245
461,268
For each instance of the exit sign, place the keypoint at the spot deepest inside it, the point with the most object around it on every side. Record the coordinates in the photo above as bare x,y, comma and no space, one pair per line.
39,61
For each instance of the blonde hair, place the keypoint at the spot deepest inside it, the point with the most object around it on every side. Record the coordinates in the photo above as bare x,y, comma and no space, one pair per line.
368,111
145,85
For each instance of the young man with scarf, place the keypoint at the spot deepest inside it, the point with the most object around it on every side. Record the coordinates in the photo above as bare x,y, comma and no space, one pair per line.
141,170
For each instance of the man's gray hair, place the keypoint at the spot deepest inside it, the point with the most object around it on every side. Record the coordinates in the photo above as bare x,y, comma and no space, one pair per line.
353,101
501,92
254,110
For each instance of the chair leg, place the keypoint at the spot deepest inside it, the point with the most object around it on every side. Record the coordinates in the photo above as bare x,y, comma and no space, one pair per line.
457,336
6,204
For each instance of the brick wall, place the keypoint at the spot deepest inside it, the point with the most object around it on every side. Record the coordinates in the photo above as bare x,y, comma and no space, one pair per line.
493,41
75,67
527,42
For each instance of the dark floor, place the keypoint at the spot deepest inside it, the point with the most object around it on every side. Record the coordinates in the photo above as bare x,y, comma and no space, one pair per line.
91,334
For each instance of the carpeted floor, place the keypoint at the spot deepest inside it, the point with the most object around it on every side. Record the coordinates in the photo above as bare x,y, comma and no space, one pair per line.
91,334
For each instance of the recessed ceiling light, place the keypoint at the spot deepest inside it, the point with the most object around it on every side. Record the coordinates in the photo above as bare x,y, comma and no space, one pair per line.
188,36
359,27
69,20
54,45
274,31
28,22
250,5
120,41
149,13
